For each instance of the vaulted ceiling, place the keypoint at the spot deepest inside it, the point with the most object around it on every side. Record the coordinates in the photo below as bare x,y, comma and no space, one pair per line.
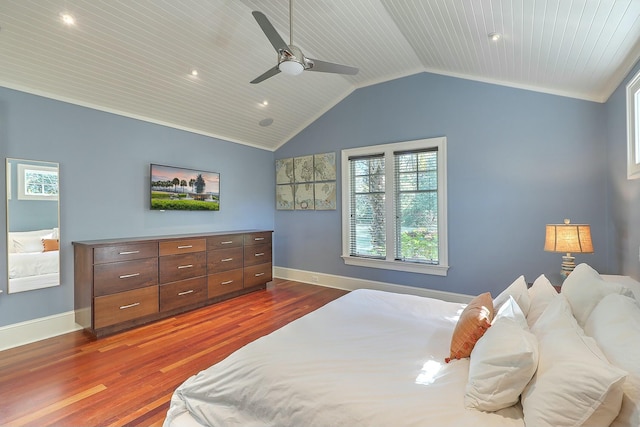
136,58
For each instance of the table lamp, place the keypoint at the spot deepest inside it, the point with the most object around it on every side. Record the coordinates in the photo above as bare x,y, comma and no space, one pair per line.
568,238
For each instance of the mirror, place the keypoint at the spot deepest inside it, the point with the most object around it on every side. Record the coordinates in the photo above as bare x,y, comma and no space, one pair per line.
33,225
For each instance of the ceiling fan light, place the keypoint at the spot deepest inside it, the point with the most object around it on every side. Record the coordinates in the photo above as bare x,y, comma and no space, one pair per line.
292,68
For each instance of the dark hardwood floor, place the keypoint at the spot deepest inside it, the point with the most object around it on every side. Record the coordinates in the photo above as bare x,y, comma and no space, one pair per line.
128,378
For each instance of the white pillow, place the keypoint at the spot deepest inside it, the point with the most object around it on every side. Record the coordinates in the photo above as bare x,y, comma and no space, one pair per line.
540,294
28,244
518,290
584,288
20,235
615,325
556,316
502,361
574,385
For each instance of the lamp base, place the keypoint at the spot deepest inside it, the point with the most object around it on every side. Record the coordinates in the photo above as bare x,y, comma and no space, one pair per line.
568,264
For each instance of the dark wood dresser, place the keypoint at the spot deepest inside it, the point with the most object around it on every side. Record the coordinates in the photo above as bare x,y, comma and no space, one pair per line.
123,283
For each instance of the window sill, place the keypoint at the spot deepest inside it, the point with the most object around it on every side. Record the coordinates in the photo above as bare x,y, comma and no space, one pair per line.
436,270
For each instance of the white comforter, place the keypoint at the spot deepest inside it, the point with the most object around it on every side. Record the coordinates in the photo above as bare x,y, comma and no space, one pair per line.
370,358
33,264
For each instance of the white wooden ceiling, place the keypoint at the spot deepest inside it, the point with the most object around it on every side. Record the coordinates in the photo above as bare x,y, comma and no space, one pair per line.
135,57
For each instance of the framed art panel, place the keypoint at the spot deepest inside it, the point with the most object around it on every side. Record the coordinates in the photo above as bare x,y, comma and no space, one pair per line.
304,197
284,171
325,195
324,167
303,169
284,197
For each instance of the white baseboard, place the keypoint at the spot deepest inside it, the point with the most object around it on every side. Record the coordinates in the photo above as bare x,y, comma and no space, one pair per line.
37,329
351,284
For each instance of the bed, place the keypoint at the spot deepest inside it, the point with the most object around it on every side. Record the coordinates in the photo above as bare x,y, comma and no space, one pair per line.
33,270
374,358
34,259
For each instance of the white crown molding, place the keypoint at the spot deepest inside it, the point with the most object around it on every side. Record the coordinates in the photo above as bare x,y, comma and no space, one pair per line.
351,284
94,106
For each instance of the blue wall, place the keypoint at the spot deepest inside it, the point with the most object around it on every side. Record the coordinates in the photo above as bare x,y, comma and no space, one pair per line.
517,160
623,194
104,183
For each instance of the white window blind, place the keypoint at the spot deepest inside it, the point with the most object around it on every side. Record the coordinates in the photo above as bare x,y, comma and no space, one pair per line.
368,224
417,206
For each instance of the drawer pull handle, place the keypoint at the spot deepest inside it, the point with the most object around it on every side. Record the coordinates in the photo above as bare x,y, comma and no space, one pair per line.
126,276
185,246
258,238
226,260
260,254
124,307
185,266
259,274
228,282
228,242
190,291
128,252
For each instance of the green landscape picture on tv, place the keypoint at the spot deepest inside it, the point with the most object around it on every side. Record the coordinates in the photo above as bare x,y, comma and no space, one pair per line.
181,189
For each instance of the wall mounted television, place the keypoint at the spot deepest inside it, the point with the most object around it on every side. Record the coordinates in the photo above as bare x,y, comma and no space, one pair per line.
174,188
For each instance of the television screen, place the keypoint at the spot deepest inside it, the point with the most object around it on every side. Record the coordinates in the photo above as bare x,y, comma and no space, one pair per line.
174,188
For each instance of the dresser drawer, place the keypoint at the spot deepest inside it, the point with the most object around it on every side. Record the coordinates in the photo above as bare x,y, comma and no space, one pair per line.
180,267
225,282
124,252
182,293
226,241
182,246
124,276
257,275
257,254
224,259
123,306
257,238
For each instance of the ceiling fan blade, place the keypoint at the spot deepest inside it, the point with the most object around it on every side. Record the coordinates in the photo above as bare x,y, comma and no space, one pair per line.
264,76
329,67
276,41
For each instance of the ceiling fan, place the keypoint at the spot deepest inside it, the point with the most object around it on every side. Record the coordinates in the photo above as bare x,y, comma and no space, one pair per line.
291,60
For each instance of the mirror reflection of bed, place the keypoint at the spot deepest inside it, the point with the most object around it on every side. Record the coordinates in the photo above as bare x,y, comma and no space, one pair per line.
33,237
33,259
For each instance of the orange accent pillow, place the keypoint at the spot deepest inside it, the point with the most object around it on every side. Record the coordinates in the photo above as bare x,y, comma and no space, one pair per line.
50,245
473,322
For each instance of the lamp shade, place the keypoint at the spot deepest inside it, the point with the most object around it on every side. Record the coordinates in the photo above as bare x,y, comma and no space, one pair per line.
575,238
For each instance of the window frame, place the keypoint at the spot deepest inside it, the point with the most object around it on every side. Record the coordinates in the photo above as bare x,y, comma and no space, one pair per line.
390,263
22,194
633,128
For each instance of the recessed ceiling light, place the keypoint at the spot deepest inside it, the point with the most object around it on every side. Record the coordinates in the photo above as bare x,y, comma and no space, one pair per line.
495,36
266,122
194,72
265,103
67,19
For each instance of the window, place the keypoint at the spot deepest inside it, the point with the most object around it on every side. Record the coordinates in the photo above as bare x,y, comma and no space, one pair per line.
633,128
394,206
37,182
